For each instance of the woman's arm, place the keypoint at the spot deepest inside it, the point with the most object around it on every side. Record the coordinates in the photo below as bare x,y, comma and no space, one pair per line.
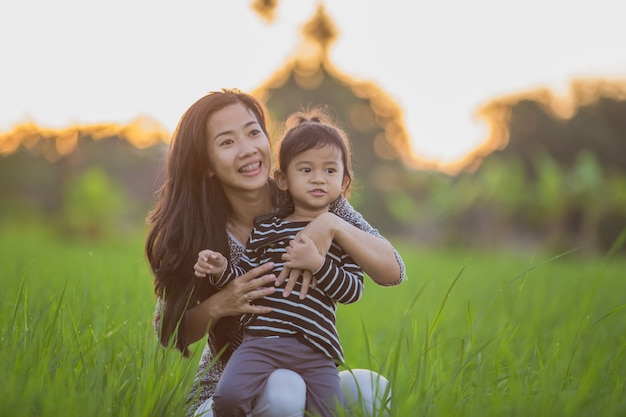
374,254
343,209
232,300
336,273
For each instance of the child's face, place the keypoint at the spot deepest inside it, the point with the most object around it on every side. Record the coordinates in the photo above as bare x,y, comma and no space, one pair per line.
314,178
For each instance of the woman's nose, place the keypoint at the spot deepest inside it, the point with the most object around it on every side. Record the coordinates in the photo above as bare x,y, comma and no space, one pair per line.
247,149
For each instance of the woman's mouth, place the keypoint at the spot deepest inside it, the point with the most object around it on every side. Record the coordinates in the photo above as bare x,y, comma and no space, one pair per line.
250,169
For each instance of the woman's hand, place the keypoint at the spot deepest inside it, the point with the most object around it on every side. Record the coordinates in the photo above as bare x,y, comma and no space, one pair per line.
232,300
237,297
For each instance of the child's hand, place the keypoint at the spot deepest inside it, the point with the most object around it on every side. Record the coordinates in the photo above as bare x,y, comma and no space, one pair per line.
301,260
303,254
209,262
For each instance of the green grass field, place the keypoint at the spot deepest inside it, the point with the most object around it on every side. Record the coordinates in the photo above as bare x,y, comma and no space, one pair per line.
469,334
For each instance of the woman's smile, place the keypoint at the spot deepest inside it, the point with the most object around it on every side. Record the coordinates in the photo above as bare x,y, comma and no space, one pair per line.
251,169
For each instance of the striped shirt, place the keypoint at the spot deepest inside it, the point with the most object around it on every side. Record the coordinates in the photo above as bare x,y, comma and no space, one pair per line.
339,280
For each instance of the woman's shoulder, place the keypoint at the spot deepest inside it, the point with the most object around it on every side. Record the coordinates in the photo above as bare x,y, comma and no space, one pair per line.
342,208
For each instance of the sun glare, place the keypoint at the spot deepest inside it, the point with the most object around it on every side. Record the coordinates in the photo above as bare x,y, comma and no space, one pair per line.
141,132
318,36
496,114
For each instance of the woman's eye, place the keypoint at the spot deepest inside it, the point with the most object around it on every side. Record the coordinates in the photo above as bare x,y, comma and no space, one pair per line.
255,132
226,142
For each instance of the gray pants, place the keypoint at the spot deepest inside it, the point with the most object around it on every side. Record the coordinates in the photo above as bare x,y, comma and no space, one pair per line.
247,370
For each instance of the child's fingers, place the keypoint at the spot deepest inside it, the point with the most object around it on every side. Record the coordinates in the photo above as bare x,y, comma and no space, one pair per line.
201,268
216,259
198,271
307,279
293,278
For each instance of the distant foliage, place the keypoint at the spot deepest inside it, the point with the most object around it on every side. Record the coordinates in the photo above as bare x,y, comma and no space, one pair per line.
94,207
104,187
559,184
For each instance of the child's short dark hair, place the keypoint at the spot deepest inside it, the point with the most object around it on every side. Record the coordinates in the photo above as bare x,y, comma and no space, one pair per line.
313,129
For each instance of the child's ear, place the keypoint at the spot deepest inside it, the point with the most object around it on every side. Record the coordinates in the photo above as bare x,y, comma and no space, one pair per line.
281,180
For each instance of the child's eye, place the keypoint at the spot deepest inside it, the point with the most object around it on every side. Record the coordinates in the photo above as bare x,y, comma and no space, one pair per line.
330,170
305,170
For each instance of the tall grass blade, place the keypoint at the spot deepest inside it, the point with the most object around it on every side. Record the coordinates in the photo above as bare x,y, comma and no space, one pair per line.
18,301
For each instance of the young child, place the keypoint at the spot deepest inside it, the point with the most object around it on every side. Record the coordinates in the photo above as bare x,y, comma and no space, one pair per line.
300,333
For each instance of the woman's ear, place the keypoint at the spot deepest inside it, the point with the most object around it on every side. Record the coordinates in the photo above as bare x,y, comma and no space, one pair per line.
345,184
281,180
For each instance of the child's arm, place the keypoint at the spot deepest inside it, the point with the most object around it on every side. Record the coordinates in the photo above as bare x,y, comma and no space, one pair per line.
340,278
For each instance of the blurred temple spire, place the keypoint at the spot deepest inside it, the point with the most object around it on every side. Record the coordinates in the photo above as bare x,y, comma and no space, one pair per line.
266,9
374,115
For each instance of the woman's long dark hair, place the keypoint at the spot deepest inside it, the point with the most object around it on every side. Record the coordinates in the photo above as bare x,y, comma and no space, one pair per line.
190,215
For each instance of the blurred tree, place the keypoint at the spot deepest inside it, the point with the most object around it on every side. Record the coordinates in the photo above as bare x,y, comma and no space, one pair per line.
34,186
598,128
570,164
613,220
560,180
547,202
94,207
28,180
376,178
370,118
589,198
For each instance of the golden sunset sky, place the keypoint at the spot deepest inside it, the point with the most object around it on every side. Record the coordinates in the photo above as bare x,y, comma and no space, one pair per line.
69,62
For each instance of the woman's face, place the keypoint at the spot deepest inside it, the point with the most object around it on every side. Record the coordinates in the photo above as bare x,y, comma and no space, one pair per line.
239,151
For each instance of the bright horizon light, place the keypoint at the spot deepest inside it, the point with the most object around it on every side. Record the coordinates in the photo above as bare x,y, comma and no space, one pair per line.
73,62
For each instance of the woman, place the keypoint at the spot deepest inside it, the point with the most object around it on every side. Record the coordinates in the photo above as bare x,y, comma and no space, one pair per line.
217,183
